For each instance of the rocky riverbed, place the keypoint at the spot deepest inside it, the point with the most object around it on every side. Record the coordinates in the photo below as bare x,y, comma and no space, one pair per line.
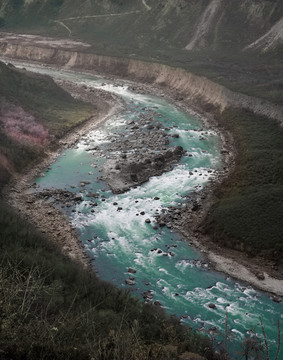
143,153
122,173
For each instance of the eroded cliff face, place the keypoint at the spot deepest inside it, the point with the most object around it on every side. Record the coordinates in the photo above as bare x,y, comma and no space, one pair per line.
140,25
194,89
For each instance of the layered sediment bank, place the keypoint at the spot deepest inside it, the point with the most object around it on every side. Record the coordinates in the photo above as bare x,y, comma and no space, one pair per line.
187,86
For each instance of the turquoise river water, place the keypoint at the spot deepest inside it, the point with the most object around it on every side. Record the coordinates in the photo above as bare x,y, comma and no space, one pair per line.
117,240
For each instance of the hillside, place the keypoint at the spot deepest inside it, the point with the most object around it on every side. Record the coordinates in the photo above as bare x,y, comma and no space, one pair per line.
237,43
137,24
33,112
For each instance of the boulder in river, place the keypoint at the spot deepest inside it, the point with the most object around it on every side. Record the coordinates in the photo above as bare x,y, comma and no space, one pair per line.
131,270
276,299
130,282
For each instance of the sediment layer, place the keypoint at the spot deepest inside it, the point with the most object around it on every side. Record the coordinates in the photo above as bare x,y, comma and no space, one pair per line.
186,85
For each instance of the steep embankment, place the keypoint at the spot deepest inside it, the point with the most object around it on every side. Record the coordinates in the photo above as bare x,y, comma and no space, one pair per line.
185,84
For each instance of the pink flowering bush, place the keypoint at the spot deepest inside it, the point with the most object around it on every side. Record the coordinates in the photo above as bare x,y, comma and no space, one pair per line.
20,126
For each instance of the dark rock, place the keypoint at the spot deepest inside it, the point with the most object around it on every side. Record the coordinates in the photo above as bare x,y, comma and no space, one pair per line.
147,295
132,271
196,206
134,178
260,275
277,299
212,306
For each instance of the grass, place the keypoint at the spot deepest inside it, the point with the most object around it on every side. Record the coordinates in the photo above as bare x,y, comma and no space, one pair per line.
248,210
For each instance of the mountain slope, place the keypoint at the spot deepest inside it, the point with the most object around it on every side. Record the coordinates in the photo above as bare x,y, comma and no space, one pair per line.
33,111
236,43
179,24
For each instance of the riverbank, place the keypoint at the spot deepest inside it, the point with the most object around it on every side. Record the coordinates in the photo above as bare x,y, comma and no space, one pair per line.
49,220
256,271
221,259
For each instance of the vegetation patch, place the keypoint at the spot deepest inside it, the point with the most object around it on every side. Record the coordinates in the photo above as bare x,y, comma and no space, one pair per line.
34,111
248,210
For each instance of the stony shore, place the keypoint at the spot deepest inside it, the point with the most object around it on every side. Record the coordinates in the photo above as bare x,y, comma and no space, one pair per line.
52,222
49,220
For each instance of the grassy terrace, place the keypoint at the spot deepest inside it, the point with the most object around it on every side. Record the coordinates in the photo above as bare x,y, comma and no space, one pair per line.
248,210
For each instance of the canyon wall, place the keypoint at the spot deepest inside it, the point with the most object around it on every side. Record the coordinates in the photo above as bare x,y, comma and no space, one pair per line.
194,88
136,26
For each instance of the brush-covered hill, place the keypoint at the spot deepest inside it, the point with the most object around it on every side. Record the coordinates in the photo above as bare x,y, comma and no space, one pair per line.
237,43
139,24
33,112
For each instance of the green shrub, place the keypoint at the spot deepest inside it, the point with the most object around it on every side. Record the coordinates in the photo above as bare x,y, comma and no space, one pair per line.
248,210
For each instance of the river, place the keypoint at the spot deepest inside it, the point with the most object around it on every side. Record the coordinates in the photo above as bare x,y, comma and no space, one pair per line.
163,267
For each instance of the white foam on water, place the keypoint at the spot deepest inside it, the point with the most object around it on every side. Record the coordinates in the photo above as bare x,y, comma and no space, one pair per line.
184,264
164,271
162,283
221,301
118,244
142,261
112,255
237,332
199,294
